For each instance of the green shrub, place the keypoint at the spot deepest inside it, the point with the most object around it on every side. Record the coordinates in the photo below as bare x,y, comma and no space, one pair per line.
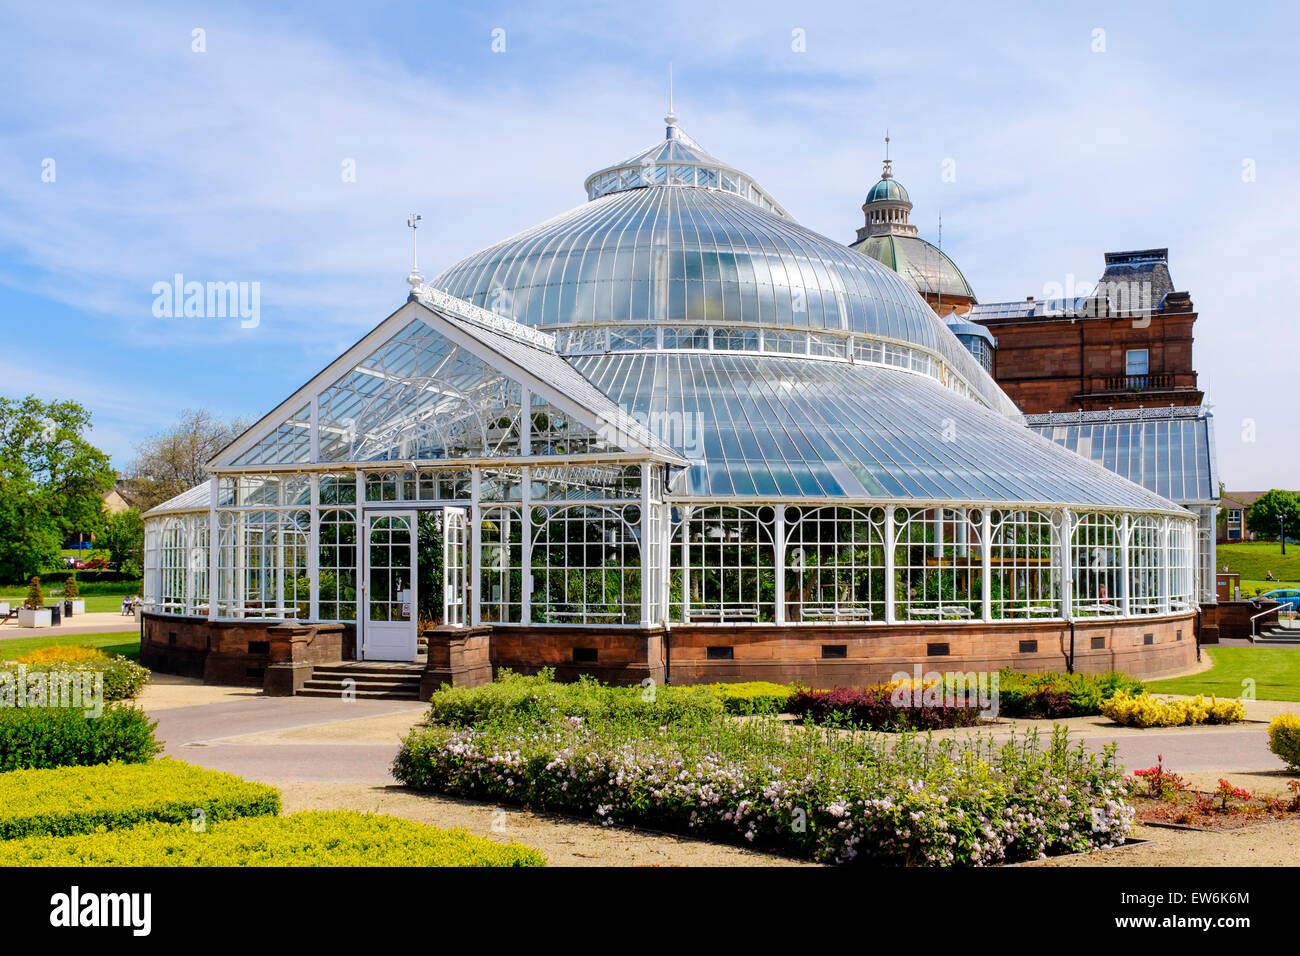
751,697
1284,739
311,838
34,597
46,737
82,799
123,679
515,696
1059,695
70,589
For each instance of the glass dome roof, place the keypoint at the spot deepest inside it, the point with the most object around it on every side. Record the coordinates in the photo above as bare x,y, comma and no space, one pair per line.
888,189
703,253
925,266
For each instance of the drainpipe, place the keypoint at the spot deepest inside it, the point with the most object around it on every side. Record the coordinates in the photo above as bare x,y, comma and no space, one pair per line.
1198,632
1069,666
668,656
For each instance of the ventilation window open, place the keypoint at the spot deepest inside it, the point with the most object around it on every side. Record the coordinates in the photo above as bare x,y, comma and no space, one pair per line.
936,650
1028,647
835,652
584,655
720,653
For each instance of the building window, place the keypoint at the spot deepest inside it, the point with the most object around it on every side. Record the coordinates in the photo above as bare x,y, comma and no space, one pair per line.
1136,362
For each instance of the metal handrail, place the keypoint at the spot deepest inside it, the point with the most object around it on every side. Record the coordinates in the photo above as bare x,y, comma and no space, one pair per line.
1254,617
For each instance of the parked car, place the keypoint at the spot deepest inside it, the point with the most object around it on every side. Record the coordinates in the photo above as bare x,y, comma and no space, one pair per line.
1288,597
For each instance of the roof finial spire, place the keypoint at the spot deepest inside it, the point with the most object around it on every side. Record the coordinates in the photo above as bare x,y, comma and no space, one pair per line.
887,172
414,279
671,118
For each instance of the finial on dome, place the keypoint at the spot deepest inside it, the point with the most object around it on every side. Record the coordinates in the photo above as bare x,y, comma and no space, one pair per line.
887,172
671,118
415,279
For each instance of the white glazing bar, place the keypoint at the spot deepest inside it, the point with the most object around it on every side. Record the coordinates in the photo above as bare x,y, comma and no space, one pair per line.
313,544
686,565
890,616
648,548
778,546
476,547
314,437
525,545
986,562
1125,530
213,549
1062,554
1164,565
363,538
525,425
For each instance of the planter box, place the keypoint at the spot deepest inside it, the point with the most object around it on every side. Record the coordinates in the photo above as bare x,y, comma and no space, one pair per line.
4,608
78,606
34,617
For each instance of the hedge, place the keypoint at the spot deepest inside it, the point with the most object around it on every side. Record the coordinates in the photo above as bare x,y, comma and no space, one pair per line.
310,838
515,696
751,697
48,737
81,799
1056,695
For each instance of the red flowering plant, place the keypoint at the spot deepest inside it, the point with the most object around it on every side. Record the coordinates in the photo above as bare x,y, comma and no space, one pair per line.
1160,784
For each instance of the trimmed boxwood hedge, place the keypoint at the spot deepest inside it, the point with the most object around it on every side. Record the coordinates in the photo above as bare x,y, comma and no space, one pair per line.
512,696
81,799
310,838
47,737
123,679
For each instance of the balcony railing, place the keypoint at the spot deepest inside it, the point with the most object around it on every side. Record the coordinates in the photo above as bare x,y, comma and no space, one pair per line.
1138,383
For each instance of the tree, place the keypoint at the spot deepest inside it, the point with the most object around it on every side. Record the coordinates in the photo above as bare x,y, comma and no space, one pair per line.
173,460
1262,517
123,536
52,482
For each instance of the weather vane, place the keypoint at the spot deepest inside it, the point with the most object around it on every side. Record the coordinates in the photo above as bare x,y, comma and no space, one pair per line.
413,221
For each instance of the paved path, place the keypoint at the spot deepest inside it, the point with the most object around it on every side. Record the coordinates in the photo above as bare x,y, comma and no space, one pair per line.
202,735
238,736
98,622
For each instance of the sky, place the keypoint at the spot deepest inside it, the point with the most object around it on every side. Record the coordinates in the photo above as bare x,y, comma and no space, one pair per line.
231,143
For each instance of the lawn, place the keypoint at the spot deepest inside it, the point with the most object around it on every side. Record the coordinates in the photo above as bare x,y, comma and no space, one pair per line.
1253,559
1275,671
126,643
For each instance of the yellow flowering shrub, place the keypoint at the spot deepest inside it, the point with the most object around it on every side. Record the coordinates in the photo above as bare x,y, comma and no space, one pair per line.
1143,710
1284,739
63,654
310,838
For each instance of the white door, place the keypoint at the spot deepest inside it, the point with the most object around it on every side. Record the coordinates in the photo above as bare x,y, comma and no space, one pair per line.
453,567
392,613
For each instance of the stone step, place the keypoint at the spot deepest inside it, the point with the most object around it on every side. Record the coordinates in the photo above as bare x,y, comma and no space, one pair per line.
360,694
322,683
365,677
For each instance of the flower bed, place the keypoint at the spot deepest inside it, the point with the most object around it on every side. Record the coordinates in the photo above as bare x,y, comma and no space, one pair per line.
46,737
1143,710
1055,695
312,838
802,791
81,799
1162,797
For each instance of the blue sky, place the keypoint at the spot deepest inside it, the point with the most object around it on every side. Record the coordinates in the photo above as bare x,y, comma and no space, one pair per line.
225,165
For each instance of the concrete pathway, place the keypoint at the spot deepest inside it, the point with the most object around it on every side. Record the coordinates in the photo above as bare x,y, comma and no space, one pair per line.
98,622
239,736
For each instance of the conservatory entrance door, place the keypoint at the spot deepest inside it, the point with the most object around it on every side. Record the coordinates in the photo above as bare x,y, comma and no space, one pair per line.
389,631
454,544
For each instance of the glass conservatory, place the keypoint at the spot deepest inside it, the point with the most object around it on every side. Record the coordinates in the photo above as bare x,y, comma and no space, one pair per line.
672,407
